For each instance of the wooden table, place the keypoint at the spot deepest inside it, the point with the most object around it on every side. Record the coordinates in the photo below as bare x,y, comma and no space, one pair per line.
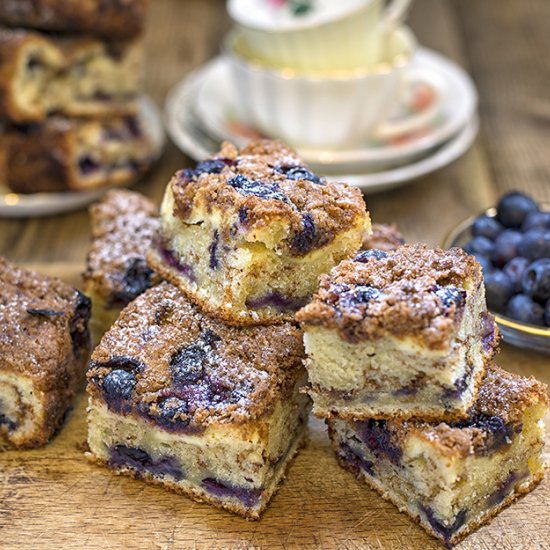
52,498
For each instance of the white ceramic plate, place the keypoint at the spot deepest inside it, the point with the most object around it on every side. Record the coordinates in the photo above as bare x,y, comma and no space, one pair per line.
186,131
216,106
18,205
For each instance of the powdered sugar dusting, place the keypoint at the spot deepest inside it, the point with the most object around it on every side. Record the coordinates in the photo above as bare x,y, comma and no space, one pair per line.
216,373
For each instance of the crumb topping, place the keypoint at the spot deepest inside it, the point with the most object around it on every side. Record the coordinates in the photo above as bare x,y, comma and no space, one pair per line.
384,237
494,418
413,292
165,360
266,183
124,224
44,322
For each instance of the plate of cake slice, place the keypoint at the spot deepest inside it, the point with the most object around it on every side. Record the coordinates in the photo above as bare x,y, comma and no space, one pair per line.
75,119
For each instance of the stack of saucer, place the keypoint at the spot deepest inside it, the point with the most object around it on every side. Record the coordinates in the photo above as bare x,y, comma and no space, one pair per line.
407,113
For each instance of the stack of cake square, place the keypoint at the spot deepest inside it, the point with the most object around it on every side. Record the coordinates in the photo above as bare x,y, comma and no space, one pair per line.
197,384
399,348
70,78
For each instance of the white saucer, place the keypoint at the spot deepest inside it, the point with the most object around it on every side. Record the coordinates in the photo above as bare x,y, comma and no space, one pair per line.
216,106
19,205
189,135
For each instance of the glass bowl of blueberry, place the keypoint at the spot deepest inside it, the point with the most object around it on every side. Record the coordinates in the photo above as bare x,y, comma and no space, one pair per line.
512,243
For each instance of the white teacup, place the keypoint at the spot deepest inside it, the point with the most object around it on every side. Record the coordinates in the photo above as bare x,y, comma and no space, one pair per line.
334,35
326,111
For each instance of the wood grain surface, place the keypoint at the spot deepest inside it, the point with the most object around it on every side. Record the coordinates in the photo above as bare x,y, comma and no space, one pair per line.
52,498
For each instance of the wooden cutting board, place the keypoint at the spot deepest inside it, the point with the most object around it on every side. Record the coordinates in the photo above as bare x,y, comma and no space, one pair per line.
53,498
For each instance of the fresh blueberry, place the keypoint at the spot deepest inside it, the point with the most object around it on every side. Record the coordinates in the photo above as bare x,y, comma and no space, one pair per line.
506,247
298,173
535,244
523,309
513,208
364,256
514,269
479,246
536,279
451,296
485,226
305,240
119,384
499,289
536,220
262,190
547,313
486,264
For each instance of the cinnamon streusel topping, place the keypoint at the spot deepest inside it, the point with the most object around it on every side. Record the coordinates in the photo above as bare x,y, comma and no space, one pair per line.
43,322
265,183
166,361
411,292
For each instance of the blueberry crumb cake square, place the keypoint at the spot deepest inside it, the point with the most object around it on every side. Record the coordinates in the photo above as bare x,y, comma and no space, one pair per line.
398,334
210,411
44,347
247,233
453,477
123,225
70,154
41,74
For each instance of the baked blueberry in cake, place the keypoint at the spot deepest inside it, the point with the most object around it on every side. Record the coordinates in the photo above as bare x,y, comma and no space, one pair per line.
247,233
453,477
123,226
41,74
44,346
67,154
398,334
110,19
210,411
384,237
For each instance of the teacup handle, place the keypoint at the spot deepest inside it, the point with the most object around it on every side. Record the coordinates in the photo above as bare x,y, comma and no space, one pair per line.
396,11
406,125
